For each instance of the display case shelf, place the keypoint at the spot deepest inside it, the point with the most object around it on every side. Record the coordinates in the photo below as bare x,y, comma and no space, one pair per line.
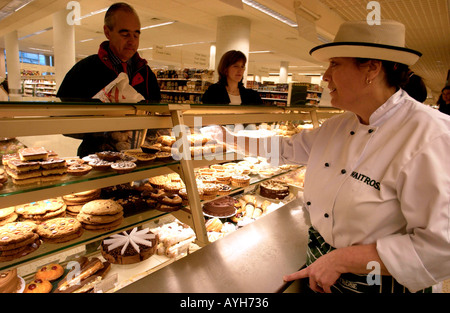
47,118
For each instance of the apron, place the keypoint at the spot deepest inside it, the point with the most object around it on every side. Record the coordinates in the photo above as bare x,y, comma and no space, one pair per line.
349,282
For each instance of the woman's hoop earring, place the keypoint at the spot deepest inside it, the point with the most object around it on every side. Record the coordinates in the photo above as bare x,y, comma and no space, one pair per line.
368,81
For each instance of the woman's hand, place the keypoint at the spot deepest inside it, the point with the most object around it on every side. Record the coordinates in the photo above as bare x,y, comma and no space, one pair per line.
323,273
326,270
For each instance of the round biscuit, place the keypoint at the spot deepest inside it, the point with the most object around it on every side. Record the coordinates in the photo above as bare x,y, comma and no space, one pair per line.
102,207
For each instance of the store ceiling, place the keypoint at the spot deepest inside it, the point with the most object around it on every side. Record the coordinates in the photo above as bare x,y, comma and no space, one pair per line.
427,23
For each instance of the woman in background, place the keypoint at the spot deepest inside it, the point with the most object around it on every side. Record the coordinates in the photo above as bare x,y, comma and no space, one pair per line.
230,89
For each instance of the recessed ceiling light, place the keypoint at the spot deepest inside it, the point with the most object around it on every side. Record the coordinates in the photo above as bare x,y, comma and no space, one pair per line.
270,12
158,25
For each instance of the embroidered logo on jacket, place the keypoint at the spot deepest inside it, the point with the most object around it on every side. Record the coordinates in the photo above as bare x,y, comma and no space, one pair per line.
367,180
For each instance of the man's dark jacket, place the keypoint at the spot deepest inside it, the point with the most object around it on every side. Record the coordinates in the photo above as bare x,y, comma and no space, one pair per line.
88,76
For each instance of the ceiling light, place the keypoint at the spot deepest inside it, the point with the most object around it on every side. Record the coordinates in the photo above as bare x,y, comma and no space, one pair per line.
94,13
158,25
262,51
37,49
270,12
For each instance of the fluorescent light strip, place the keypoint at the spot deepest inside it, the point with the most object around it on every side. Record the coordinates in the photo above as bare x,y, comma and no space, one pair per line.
178,45
94,13
158,25
262,51
270,12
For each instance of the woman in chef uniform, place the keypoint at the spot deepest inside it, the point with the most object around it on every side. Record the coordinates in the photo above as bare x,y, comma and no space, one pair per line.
377,186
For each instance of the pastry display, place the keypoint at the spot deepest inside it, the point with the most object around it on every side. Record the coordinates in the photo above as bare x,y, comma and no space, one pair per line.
50,272
110,156
214,224
99,164
75,201
35,153
240,180
8,215
38,286
80,276
159,181
130,246
18,239
78,169
169,202
273,189
174,238
58,230
10,282
122,167
100,215
3,178
150,148
40,211
33,165
220,207
141,156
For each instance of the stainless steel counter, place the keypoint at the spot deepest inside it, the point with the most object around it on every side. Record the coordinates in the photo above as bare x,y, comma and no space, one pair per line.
251,259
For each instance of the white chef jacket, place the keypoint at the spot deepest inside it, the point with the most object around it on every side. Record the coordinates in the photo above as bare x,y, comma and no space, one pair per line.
387,182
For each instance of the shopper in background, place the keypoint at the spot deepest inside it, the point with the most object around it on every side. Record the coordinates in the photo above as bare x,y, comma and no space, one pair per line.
416,87
230,89
117,54
377,184
444,100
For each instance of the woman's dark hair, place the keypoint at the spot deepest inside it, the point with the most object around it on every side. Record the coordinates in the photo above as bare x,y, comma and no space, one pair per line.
228,59
399,75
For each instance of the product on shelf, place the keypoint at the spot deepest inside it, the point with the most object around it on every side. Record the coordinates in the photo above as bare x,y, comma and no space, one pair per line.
174,238
10,282
142,157
101,215
38,286
169,202
79,169
18,239
240,180
274,189
50,272
220,207
8,215
128,247
84,277
75,201
123,167
3,178
150,149
34,153
33,165
249,208
295,178
40,211
214,224
58,230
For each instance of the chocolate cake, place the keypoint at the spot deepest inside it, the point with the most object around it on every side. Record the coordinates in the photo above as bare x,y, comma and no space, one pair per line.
130,246
273,190
221,207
